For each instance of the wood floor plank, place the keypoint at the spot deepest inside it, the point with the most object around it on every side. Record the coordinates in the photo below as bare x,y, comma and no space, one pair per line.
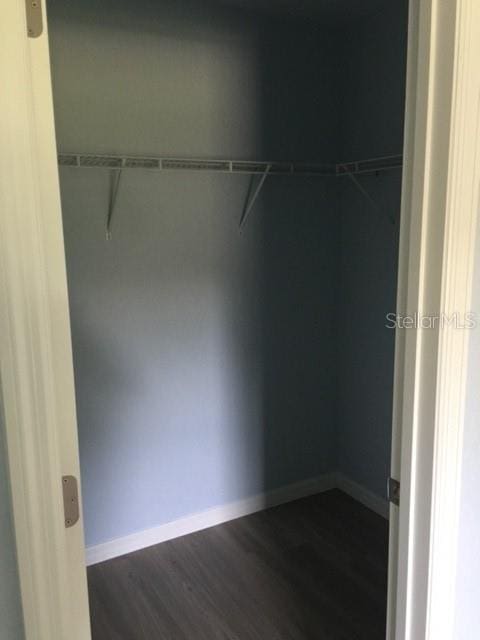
313,569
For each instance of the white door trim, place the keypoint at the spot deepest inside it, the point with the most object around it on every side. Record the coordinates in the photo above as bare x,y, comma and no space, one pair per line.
35,347
440,198
440,209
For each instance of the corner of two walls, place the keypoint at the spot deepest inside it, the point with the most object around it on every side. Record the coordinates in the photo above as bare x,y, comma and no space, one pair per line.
203,357
372,113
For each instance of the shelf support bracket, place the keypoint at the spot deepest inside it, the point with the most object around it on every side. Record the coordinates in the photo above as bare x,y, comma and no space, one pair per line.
250,201
114,184
362,190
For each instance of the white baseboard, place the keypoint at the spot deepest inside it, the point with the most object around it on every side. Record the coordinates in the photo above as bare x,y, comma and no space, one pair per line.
360,494
208,518
225,513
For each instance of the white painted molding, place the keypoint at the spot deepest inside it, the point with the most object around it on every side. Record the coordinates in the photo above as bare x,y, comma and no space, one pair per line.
401,433
439,211
35,349
232,511
461,205
359,493
209,518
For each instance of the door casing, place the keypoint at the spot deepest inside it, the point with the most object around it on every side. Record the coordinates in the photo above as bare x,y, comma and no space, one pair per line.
35,345
440,196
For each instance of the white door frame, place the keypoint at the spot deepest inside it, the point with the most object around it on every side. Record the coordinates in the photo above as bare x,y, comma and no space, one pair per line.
440,200
439,211
35,346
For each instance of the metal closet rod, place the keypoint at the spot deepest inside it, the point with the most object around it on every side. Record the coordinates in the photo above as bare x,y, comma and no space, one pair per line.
157,163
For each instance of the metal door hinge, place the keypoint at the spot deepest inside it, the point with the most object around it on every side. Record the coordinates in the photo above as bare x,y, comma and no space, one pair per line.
70,500
34,18
393,491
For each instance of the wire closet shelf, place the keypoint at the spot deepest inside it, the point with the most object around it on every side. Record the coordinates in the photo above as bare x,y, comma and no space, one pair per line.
159,163
262,169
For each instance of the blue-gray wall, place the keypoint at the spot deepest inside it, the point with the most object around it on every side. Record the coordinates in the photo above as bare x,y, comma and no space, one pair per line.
372,110
212,365
11,624
203,358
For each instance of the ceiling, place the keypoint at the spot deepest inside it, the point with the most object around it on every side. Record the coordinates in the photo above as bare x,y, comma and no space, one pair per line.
331,11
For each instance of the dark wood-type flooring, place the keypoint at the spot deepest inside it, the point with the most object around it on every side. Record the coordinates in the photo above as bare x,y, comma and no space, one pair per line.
314,569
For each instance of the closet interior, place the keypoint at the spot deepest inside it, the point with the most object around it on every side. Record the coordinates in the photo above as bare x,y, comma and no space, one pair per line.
230,174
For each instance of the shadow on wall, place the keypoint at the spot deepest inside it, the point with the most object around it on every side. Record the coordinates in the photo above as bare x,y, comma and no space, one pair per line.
298,225
366,347
297,275
196,348
373,63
